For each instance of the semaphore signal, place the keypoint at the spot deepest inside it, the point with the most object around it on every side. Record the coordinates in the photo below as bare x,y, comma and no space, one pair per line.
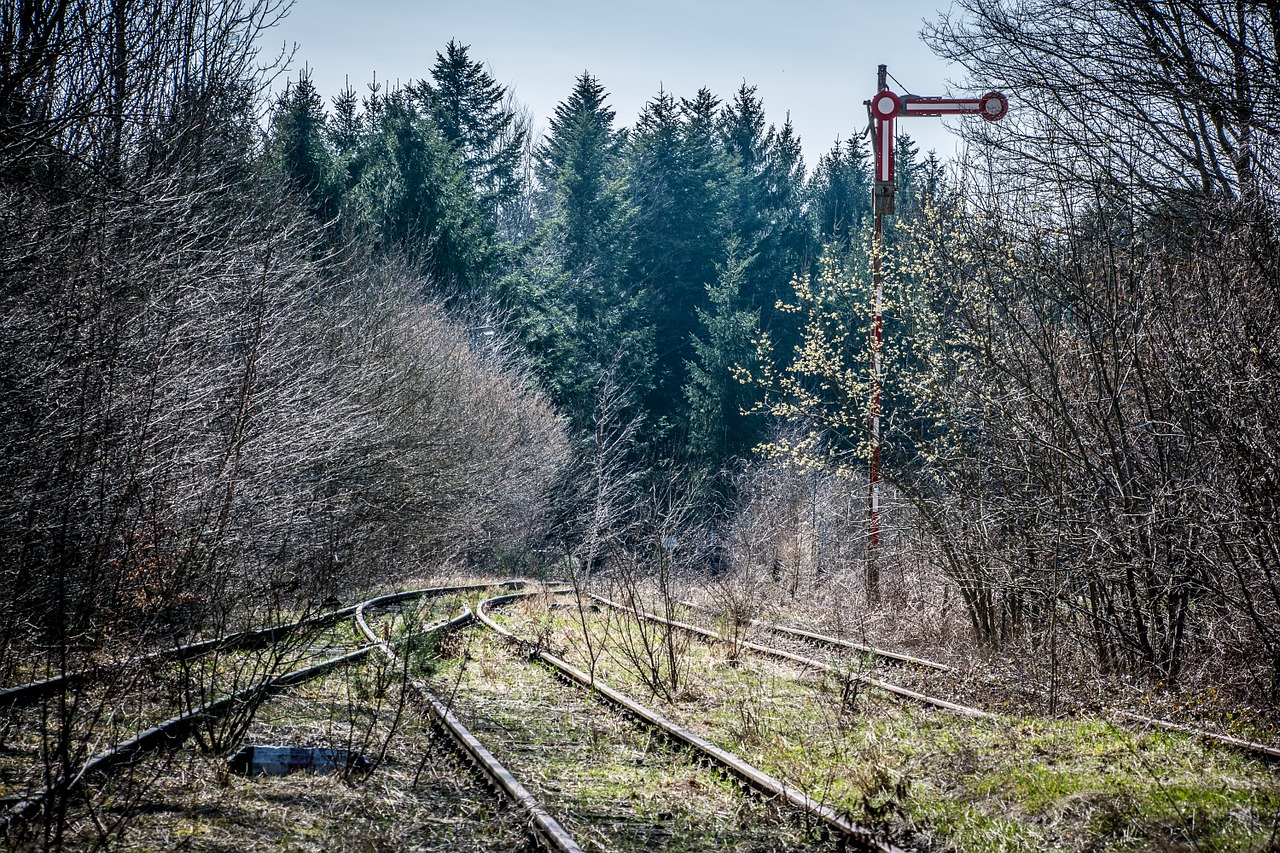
885,108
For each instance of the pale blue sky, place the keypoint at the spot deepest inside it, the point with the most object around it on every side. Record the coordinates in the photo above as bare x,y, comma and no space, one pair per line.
814,58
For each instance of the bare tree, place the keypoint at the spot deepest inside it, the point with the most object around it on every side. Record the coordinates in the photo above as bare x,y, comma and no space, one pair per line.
210,418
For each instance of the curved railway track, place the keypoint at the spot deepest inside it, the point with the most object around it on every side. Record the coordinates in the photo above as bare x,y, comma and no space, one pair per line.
836,642
19,810
32,692
548,832
1262,750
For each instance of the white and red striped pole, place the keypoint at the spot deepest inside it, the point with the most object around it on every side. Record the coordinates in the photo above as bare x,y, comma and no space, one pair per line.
885,108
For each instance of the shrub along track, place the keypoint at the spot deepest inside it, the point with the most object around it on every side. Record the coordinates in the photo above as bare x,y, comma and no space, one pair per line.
420,793
942,779
805,662
55,729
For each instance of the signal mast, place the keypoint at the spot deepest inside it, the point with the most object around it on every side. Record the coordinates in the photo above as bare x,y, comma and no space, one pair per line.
884,109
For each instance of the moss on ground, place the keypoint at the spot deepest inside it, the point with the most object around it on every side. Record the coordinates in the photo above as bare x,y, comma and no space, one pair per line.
950,782
614,785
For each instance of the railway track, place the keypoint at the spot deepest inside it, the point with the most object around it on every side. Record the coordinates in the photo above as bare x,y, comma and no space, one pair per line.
836,642
20,809
397,614
548,830
1261,750
837,824
57,729
167,733
781,654
32,692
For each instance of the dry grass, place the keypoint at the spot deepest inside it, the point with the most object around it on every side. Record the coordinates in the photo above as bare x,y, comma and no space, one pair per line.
418,798
1026,782
614,785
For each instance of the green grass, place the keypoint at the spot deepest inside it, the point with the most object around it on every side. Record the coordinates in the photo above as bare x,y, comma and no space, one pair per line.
957,783
614,785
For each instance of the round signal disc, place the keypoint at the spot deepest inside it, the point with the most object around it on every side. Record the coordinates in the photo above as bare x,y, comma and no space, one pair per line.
993,106
885,104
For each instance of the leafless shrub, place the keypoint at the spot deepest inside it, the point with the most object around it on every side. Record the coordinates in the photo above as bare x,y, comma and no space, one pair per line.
210,419
653,574
1125,348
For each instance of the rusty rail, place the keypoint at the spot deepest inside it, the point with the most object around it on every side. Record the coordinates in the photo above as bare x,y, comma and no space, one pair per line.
32,692
175,730
171,732
897,657
545,827
768,651
752,776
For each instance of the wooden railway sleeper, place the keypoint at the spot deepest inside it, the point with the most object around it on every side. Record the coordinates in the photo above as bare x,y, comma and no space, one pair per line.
756,779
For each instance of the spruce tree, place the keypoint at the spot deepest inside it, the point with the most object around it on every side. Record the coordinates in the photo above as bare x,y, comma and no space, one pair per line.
414,193
906,175
840,192
298,144
581,322
469,110
719,426
785,240
770,236
678,180
580,161
346,126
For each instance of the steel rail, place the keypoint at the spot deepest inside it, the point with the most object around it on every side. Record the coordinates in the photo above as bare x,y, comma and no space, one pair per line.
32,692
768,651
1271,752
752,776
26,694
1267,751
546,828
169,733
173,731
812,636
